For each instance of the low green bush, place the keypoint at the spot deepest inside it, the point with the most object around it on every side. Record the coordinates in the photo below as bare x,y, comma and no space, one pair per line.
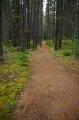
66,53
67,44
31,44
50,44
47,43
22,58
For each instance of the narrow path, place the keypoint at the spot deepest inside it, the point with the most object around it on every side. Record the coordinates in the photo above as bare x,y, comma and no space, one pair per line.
51,94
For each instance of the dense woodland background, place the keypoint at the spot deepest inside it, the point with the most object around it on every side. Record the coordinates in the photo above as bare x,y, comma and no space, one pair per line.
61,22
23,26
23,22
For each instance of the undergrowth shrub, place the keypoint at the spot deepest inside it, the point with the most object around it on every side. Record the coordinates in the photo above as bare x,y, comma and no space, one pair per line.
47,43
10,48
31,43
22,58
9,43
76,47
50,44
11,106
67,44
66,53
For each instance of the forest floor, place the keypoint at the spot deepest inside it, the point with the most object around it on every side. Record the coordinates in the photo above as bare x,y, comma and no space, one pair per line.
51,94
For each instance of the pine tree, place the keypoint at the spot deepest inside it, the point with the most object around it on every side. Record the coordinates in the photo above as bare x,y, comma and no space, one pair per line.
1,47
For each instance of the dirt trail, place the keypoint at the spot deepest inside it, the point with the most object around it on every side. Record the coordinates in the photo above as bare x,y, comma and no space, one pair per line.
51,94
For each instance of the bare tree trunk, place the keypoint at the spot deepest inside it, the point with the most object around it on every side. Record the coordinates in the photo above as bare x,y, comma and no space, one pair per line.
40,21
57,24
28,24
1,47
24,25
34,25
37,20
17,22
77,27
61,24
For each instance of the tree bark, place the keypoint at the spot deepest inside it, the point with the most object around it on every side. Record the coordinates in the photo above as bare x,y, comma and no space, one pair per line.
1,46
24,25
57,24
61,24
28,24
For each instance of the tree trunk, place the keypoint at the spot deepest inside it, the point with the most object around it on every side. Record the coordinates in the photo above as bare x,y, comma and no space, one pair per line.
1,46
61,24
17,23
34,25
57,24
28,24
24,25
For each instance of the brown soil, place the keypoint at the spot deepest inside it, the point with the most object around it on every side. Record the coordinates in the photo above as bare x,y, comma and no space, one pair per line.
51,94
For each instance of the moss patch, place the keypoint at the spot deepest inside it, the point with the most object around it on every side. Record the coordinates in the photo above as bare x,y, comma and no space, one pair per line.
14,74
